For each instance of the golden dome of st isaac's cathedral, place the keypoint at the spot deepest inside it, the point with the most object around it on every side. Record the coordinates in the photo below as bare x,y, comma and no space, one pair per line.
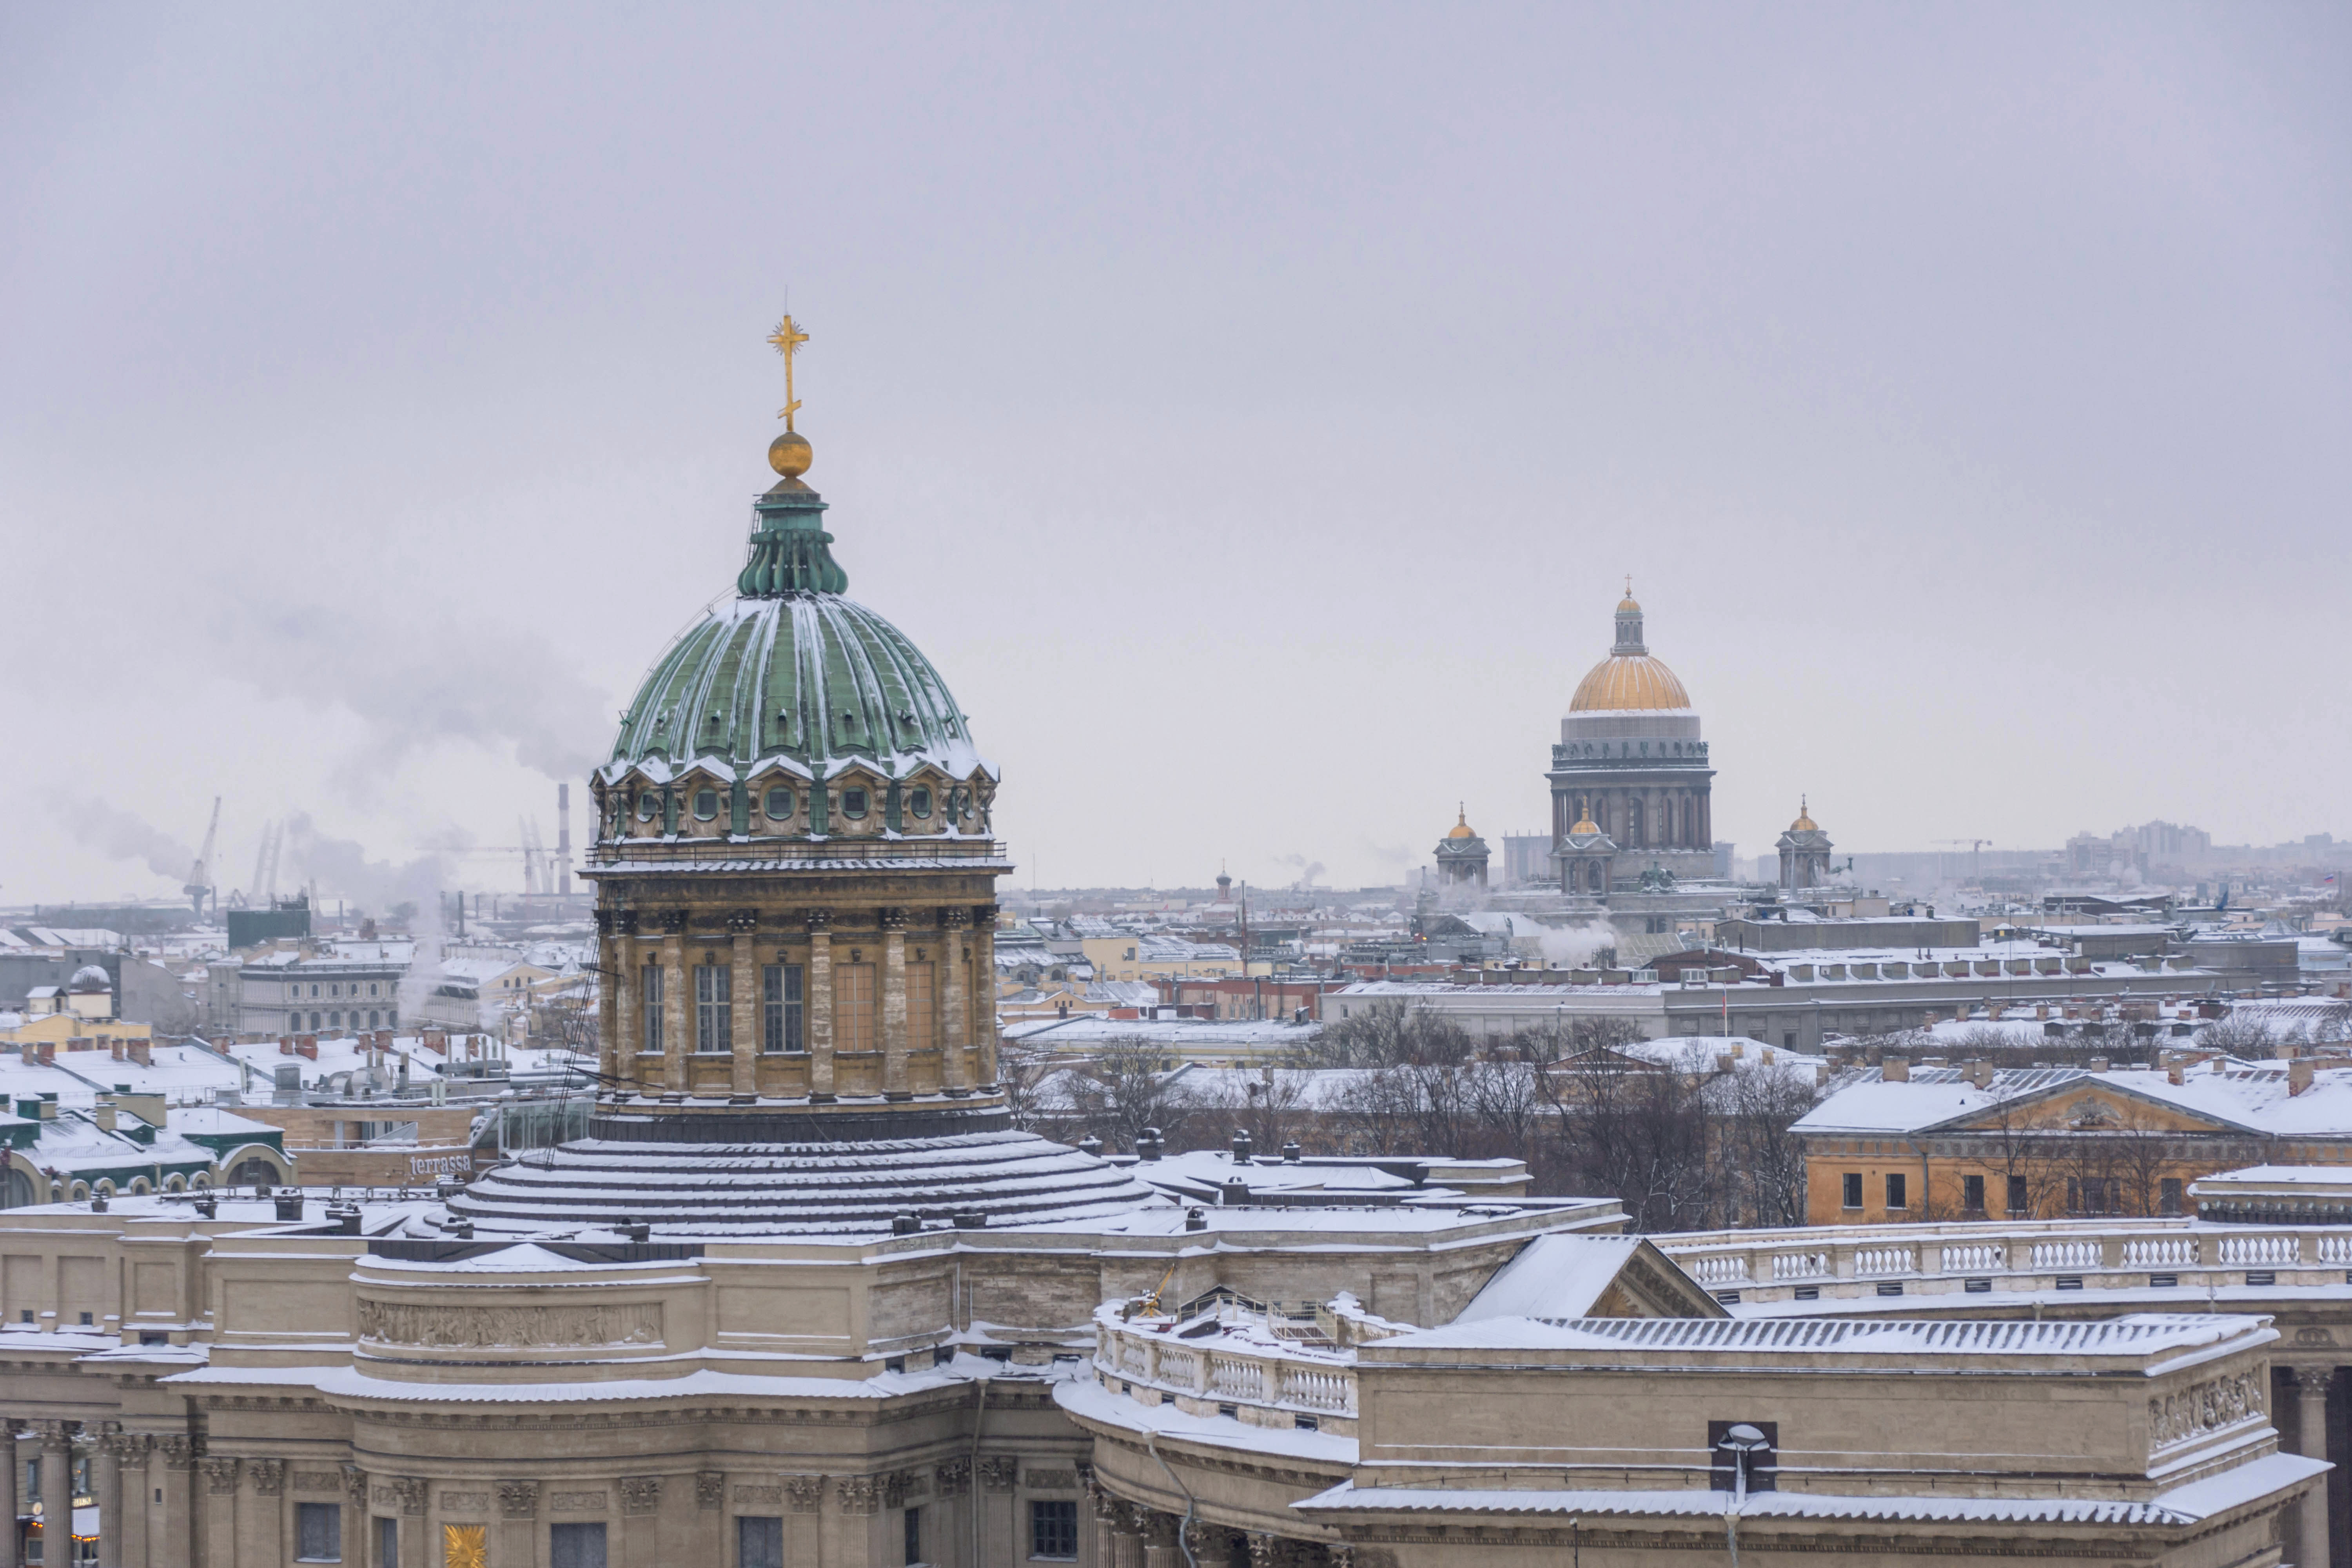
1629,680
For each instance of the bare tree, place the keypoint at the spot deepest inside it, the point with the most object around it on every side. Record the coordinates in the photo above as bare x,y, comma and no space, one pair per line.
1125,1088
1764,1161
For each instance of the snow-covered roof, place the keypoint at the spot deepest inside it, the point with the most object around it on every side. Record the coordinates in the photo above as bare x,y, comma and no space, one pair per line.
2248,1097
1552,1277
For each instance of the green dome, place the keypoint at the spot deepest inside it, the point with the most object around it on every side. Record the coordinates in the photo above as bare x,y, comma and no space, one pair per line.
792,674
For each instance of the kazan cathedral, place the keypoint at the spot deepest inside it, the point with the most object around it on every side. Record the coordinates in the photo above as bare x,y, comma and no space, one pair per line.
807,1292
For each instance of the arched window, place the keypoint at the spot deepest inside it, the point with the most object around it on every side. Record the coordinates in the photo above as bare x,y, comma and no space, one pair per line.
176,1183
138,1186
78,1191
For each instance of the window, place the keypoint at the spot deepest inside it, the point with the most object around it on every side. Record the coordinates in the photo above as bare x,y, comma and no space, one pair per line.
853,1007
781,992
372,988
2017,1196
2168,1195
919,801
706,805
387,1544
780,804
853,803
1053,1528
914,1535
1894,1193
373,1014
319,1532
646,805
314,1021
334,1020
651,988
759,1541
1853,1189
714,1007
922,1009
1972,1194
575,1546
334,989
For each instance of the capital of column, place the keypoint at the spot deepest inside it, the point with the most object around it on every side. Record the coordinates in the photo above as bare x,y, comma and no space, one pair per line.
818,920
2314,1379
893,920
956,918
56,1435
743,921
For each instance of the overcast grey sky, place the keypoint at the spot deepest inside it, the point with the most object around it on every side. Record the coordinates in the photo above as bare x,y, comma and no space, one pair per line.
1252,410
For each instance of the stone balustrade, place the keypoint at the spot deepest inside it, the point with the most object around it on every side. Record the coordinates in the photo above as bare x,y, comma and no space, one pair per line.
1260,1383
1822,1264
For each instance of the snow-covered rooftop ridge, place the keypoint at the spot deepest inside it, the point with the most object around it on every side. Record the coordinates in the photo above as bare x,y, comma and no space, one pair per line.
2138,1336
2183,1505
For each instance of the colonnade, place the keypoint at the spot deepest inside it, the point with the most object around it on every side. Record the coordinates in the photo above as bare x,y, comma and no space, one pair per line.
1130,1535
896,1025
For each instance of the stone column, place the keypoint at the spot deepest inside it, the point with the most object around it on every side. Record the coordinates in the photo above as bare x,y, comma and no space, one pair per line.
749,1004
2311,1384
9,1506
678,1008
219,1534
172,1538
955,1013
983,980
817,1015
610,997
518,1528
56,1491
622,1045
896,1079
106,1484
1159,1548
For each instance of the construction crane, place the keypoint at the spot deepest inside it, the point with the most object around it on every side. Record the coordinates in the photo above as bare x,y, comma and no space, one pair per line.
1973,846
200,879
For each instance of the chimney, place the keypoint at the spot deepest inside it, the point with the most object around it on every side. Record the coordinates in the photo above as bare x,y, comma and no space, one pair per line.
436,1042
2298,1077
2172,1072
1895,1069
1979,1073
2098,1064
307,1045
563,838
104,1115
284,1045
48,1049
117,1046
140,1051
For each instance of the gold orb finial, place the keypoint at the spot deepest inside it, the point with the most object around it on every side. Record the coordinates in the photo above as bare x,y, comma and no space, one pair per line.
790,454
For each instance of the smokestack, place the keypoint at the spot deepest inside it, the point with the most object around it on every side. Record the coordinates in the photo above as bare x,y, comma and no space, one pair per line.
563,838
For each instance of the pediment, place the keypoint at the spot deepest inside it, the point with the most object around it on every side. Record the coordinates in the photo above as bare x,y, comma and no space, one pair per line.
2088,1106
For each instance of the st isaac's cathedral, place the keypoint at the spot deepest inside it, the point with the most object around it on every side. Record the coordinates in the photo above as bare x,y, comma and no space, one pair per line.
804,1293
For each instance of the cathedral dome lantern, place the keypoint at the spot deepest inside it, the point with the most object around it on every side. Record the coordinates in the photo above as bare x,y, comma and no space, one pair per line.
1462,855
1805,851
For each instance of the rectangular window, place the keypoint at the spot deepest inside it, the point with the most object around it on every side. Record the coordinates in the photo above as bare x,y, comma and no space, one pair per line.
922,1009
714,1008
2017,1196
387,1544
1972,1194
1052,1529
914,1535
575,1546
853,1007
2168,1195
759,1542
1895,1192
319,1532
781,1028
649,989
1853,1189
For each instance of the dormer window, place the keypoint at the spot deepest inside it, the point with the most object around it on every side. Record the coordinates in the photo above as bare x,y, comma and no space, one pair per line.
706,805
853,804
779,804
646,805
919,801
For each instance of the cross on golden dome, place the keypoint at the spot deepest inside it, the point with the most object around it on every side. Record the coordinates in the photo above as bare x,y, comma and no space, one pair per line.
788,338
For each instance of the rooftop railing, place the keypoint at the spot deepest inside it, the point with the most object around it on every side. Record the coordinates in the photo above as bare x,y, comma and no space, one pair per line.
1844,1263
1221,1373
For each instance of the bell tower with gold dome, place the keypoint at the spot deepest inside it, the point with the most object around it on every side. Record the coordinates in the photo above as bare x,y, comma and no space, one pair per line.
1631,767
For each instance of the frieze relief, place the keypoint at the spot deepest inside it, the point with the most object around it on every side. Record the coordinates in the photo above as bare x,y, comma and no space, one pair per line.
577,1502
318,1481
759,1497
509,1328
2205,1408
465,1502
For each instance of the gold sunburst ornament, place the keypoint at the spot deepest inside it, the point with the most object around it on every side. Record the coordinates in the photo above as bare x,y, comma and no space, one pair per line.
464,1546
790,453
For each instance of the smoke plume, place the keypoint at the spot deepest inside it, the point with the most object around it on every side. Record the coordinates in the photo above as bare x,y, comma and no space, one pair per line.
125,836
341,868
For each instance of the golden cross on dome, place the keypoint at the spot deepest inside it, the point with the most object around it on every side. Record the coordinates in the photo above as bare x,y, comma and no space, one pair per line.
788,337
